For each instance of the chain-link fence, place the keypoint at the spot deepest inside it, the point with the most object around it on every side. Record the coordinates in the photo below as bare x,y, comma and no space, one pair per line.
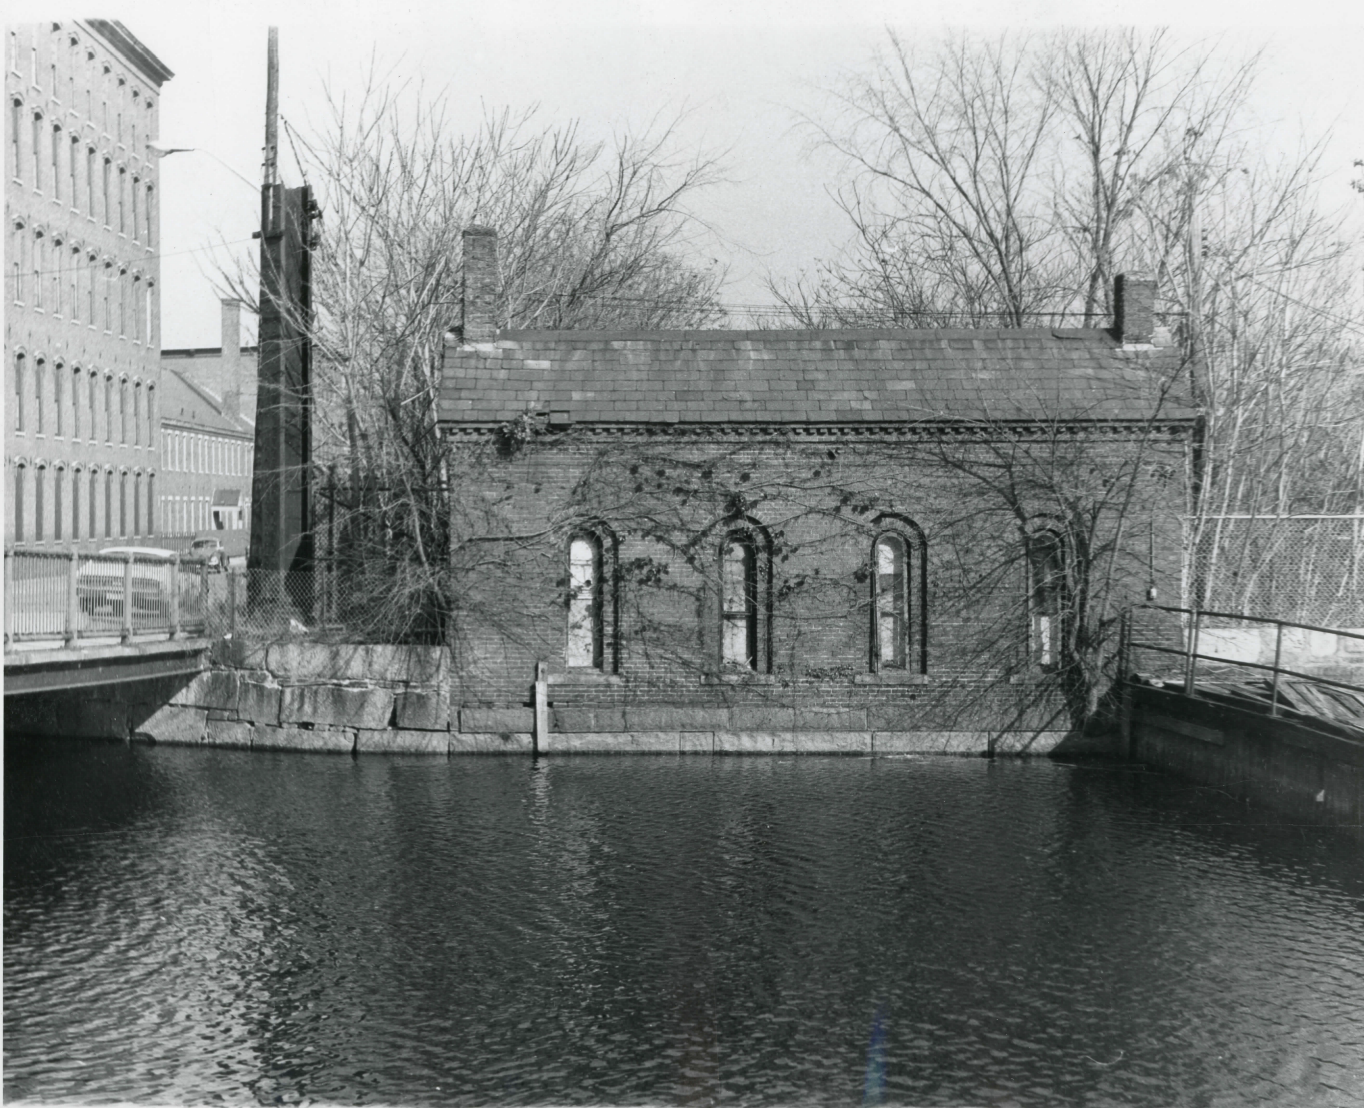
1309,569
322,604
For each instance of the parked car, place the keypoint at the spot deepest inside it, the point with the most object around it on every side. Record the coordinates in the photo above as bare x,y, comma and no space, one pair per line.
99,583
209,551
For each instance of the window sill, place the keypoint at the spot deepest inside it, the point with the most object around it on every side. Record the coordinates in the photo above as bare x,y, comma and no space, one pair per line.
753,678
891,679
584,676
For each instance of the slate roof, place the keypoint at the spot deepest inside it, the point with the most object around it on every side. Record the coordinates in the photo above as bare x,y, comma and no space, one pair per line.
183,402
809,377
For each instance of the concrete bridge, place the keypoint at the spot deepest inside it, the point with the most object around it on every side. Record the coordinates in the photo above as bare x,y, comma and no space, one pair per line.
74,621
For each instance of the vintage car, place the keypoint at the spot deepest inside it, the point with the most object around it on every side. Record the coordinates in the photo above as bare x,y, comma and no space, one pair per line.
100,583
209,551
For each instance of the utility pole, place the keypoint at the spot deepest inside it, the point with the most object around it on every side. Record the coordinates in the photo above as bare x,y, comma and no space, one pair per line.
281,527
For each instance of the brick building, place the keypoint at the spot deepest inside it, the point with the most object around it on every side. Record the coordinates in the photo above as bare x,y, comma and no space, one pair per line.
208,434
226,373
206,462
803,539
82,320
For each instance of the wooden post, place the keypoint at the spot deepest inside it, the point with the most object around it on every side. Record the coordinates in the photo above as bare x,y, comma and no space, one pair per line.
541,709
72,607
1278,654
1191,659
127,631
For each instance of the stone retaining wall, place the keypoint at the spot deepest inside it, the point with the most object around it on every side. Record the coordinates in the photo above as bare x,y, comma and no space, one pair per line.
395,699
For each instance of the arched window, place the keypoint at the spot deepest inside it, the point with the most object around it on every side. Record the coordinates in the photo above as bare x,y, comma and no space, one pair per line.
37,148
39,261
890,582
123,504
151,503
39,504
151,415
899,586
57,143
76,375
123,410
137,503
71,165
19,398
92,504
108,407
58,275
108,503
584,602
16,261
739,603
16,117
73,286
19,481
137,413
75,503
39,372
58,396
1047,594
744,598
58,478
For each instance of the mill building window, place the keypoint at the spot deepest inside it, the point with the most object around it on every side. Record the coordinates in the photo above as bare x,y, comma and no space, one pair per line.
19,398
19,476
39,473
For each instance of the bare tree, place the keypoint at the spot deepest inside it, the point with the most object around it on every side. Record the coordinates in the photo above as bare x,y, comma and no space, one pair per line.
951,149
591,236
1074,156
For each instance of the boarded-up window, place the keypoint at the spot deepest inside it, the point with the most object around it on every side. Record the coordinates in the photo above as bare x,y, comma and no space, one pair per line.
739,604
584,603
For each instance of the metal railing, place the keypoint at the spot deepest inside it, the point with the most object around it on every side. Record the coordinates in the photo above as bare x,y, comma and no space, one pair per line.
1313,694
56,597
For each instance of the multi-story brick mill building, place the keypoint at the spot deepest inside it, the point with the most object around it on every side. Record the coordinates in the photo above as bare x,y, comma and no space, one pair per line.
82,322
839,540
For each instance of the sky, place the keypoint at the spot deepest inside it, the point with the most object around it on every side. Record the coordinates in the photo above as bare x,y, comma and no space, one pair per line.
741,75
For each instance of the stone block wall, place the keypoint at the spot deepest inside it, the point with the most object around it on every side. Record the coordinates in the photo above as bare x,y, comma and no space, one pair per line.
385,700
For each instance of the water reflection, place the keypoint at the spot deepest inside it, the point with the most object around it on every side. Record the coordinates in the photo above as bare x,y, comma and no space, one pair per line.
189,925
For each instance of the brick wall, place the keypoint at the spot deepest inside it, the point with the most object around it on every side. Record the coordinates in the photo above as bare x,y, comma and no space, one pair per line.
667,499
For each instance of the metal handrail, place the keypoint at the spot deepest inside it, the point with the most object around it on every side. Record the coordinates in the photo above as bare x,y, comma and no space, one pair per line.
47,605
1251,619
1191,654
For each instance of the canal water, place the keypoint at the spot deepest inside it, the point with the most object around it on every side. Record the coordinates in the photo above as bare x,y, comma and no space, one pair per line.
192,926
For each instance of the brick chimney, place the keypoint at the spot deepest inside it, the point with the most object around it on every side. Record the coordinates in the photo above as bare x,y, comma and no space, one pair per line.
480,285
230,361
1134,309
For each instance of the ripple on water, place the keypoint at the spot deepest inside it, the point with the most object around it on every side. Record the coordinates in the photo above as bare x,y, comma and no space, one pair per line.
188,925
